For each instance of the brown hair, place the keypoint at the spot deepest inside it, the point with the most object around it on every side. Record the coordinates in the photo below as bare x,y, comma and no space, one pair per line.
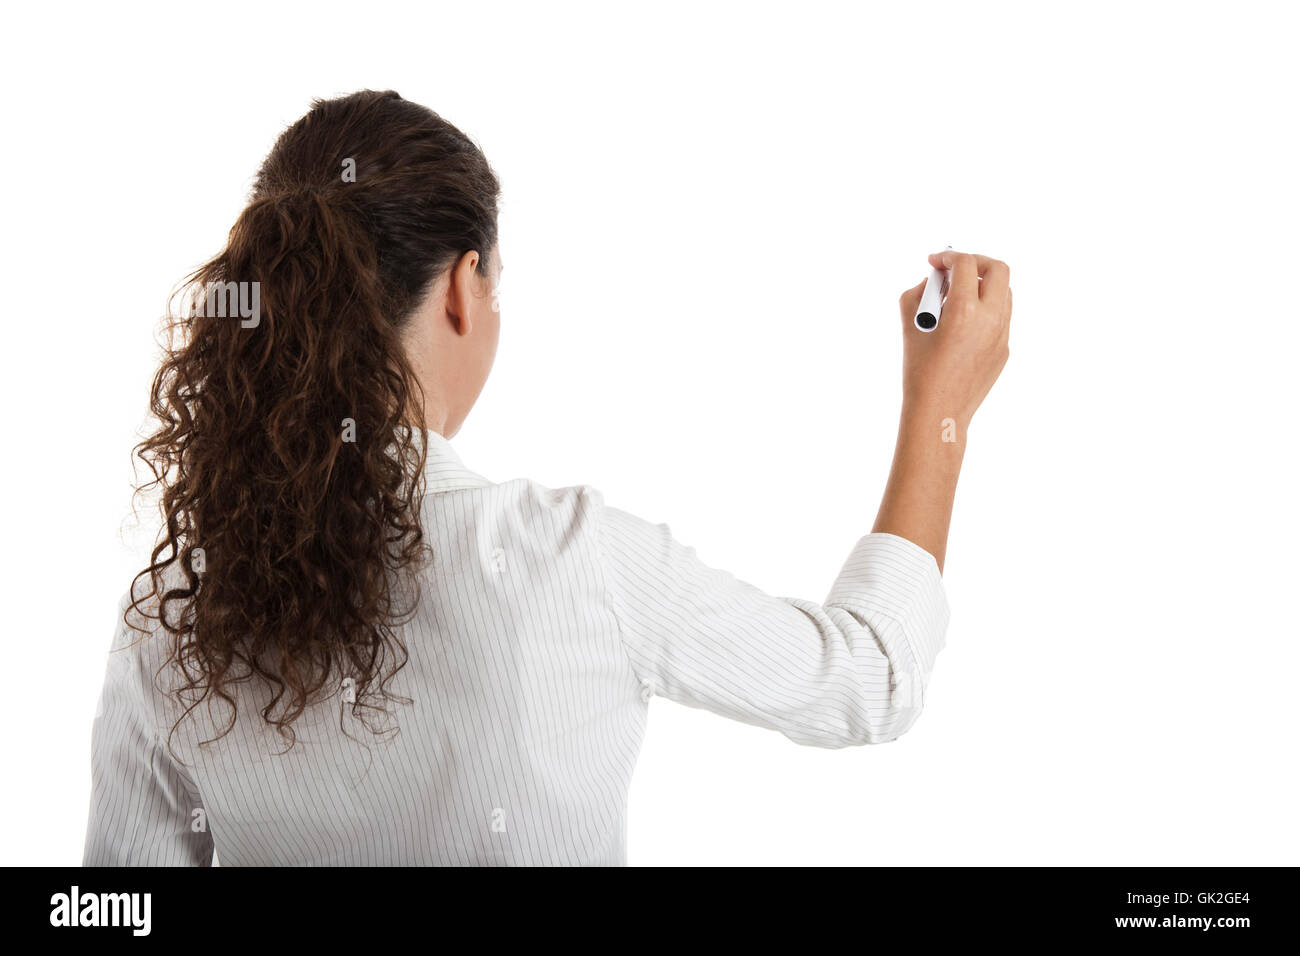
296,546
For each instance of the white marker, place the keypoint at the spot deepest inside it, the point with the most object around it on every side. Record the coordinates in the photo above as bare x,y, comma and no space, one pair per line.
931,307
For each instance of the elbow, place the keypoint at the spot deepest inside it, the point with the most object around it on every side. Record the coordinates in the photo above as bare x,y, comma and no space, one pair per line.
869,723
897,722
881,721
871,676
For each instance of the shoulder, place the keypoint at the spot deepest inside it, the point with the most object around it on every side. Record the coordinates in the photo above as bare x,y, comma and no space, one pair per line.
582,509
584,499
572,499
566,518
141,648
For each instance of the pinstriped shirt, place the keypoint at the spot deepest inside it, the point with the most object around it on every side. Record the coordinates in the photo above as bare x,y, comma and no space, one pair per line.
547,622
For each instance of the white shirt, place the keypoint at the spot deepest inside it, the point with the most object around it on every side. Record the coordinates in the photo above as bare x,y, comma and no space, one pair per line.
547,622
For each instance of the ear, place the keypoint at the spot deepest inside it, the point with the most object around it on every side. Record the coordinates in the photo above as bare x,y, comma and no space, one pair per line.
462,292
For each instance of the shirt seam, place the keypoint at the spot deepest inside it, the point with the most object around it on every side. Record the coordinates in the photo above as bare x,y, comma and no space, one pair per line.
607,588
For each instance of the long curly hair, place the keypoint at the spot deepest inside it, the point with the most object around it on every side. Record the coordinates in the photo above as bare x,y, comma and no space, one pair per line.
287,450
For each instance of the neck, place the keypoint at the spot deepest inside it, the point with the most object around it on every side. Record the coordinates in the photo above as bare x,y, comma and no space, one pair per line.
437,409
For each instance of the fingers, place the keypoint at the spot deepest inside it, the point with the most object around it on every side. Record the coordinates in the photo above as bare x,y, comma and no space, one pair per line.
963,277
968,269
995,282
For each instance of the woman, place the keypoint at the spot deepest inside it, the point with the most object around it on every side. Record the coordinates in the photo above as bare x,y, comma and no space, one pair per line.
350,648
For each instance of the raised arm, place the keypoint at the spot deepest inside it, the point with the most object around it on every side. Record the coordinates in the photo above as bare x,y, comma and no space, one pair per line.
853,668
946,374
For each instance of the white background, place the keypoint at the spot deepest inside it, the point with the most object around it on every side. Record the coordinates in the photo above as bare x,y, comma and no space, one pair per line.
709,212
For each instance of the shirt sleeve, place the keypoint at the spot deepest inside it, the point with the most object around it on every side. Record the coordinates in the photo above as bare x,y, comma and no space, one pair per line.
142,804
849,671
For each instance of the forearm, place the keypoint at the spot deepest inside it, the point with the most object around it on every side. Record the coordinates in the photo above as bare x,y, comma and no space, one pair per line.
917,504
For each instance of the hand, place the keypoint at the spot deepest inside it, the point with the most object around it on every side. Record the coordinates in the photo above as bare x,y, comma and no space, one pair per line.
948,372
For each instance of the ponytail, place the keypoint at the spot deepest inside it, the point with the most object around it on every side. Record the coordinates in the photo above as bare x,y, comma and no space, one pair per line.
288,453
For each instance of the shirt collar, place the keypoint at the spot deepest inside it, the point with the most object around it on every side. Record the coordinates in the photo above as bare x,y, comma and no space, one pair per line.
443,469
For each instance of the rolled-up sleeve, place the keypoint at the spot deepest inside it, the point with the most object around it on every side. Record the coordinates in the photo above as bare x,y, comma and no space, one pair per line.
142,805
851,670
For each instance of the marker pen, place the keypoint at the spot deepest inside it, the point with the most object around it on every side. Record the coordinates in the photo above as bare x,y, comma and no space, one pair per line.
931,307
